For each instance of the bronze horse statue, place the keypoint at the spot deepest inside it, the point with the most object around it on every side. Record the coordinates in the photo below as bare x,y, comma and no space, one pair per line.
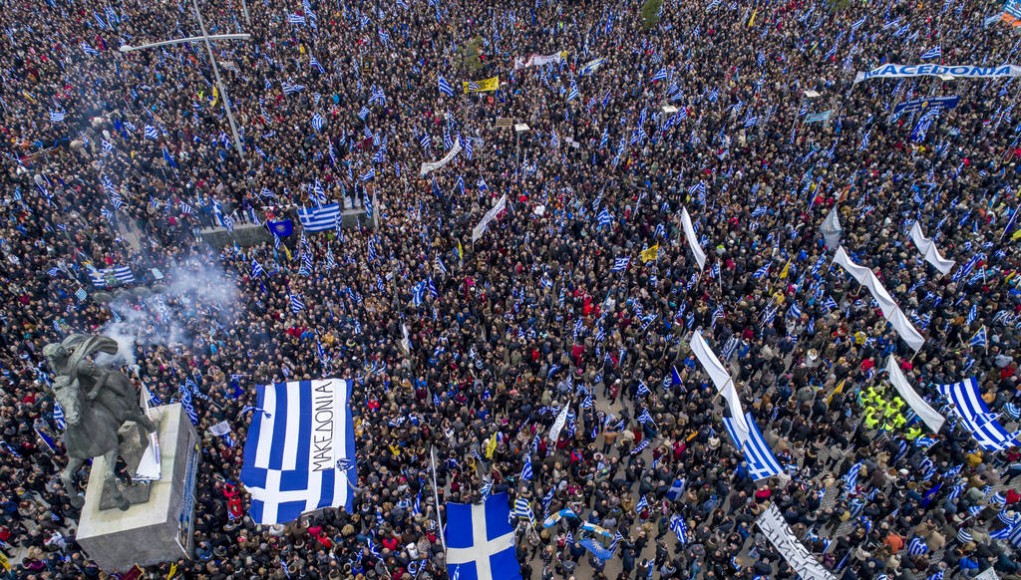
96,402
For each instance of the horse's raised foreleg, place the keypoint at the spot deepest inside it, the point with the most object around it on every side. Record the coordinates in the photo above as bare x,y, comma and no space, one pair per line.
67,479
110,479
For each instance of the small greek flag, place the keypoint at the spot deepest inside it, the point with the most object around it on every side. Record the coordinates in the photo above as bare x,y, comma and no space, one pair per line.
296,304
317,122
935,52
620,264
445,87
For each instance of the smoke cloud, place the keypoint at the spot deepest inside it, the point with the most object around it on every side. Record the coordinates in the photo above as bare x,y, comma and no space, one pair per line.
199,300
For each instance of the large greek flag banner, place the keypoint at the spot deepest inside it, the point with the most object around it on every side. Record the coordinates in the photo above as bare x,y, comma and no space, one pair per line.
299,455
967,403
480,541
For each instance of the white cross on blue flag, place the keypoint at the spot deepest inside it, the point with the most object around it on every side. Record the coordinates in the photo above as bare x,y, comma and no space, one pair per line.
480,541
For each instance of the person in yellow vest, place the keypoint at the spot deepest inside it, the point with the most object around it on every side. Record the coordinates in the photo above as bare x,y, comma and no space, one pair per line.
872,418
913,432
899,421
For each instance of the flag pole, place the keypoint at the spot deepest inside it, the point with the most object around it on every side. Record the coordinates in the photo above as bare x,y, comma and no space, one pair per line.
436,498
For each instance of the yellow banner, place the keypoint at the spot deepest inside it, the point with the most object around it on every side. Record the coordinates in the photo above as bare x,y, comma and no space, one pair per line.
4,563
649,253
786,268
491,447
483,86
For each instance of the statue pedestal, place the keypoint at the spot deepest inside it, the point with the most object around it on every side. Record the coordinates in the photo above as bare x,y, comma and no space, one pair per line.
157,530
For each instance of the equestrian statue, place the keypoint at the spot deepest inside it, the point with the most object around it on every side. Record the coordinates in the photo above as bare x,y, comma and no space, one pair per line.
96,402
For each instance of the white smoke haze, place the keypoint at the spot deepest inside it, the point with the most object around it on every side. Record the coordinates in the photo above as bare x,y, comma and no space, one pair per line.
196,291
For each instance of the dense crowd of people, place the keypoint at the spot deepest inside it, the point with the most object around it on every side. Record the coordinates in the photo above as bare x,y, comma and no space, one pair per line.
120,159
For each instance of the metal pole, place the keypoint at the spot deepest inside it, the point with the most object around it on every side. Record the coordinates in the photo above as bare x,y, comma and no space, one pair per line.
219,82
244,6
436,498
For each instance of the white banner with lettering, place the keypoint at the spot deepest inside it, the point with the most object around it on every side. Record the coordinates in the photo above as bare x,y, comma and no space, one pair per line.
775,528
538,59
434,165
480,229
895,71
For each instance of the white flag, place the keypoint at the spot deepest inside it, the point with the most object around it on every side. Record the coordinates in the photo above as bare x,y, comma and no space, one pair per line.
554,432
689,234
831,229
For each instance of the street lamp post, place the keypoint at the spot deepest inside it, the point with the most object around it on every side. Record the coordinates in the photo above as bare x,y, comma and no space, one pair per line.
212,59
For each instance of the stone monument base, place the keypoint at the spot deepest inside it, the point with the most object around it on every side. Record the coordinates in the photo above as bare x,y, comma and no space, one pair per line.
154,531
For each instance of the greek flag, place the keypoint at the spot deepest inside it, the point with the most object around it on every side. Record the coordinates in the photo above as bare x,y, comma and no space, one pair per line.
289,87
620,264
150,132
320,219
574,92
968,405
368,175
296,304
980,338
445,87
299,451
761,462
642,389
659,76
58,416
257,269
57,116
604,218
851,478
295,18
523,510
680,528
762,272
317,122
526,471
936,52
102,278
480,541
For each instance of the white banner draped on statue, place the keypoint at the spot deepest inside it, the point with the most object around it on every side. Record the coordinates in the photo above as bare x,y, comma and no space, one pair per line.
928,250
689,234
775,528
927,414
434,165
480,229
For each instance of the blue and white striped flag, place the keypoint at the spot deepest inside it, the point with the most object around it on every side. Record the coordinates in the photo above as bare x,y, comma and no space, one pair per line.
851,477
58,416
526,470
150,132
445,87
761,462
967,404
679,528
299,452
762,272
620,264
980,338
317,122
935,52
296,303
319,219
